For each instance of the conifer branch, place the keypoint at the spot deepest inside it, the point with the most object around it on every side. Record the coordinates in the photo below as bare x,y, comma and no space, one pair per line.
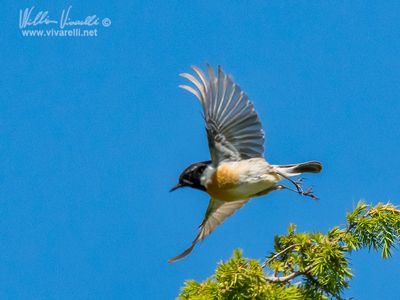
304,265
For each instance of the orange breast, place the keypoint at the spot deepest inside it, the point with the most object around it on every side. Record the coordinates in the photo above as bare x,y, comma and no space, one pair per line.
224,179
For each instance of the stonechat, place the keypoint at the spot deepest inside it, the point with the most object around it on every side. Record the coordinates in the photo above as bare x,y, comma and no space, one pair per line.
237,170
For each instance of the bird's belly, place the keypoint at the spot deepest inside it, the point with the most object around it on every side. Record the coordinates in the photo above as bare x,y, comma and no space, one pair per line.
240,180
242,191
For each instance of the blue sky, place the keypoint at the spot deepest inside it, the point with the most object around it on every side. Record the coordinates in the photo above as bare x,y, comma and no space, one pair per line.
95,131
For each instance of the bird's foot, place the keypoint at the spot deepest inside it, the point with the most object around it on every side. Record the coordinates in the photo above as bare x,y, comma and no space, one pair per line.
297,183
310,193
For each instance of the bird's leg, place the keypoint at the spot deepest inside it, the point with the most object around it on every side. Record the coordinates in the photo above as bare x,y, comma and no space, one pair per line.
308,193
297,183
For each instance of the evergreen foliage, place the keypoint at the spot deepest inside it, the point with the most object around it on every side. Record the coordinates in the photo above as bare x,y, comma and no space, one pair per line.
303,265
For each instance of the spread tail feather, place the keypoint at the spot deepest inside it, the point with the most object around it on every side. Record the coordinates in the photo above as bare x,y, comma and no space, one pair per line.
297,169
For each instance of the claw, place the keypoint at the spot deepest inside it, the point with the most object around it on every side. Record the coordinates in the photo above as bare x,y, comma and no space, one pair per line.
309,193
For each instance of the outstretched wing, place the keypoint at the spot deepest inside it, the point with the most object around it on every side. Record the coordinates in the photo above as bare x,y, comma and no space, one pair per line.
216,213
234,130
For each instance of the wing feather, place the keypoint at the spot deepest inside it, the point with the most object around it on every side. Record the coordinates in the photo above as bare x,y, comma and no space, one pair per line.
233,127
199,86
217,212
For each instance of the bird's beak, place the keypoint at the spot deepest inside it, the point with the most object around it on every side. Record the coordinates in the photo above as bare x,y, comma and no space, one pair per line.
179,185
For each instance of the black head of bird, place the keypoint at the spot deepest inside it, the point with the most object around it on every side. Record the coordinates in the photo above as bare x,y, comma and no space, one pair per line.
191,176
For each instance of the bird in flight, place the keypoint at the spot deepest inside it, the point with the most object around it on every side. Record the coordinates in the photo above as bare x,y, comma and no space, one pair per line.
237,170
